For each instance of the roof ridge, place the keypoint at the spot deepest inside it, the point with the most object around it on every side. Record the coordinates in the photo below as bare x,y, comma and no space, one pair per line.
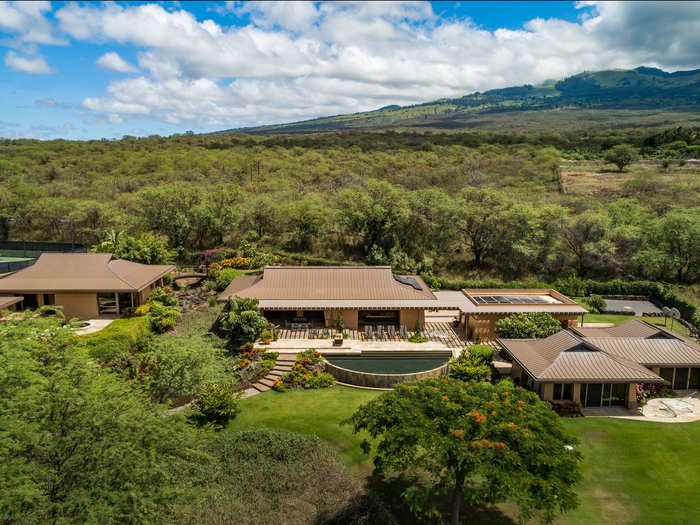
112,258
575,338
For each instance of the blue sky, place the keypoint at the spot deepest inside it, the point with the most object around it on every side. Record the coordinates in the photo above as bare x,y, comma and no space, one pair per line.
93,70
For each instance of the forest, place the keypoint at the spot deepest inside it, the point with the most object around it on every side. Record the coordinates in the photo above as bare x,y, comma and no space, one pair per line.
482,205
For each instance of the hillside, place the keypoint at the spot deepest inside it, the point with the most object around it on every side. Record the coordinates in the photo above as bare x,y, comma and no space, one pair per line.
639,97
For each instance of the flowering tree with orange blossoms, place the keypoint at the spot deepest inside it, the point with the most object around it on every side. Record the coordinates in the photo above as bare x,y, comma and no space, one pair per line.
474,443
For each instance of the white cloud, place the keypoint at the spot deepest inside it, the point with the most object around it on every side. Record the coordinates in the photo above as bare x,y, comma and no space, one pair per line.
113,61
303,59
26,20
35,65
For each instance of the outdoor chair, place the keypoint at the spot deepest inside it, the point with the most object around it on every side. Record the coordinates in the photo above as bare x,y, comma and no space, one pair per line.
392,331
403,331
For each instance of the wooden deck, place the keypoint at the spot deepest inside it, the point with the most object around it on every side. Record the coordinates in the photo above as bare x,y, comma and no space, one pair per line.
442,332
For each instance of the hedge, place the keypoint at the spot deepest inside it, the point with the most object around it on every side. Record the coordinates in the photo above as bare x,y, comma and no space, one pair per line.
121,336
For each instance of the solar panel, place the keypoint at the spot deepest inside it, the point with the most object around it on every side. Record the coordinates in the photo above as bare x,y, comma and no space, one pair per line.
509,299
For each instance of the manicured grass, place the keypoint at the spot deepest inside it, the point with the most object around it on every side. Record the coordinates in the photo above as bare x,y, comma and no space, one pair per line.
635,472
619,319
14,259
315,412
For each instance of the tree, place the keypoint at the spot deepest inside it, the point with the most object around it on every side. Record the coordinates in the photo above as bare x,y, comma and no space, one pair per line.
527,326
474,442
621,155
473,364
585,237
79,445
242,321
144,248
477,220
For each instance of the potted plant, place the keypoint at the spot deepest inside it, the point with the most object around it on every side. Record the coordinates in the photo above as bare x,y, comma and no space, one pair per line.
266,336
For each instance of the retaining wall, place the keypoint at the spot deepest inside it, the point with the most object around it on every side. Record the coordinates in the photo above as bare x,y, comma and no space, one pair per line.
366,379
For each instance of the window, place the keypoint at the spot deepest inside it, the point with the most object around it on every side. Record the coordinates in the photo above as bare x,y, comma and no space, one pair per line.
563,392
694,378
680,381
667,374
106,303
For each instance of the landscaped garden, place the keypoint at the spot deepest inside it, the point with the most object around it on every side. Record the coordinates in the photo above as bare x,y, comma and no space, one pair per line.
633,471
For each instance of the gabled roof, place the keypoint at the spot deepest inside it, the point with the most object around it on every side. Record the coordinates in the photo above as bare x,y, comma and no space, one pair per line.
331,286
565,357
83,272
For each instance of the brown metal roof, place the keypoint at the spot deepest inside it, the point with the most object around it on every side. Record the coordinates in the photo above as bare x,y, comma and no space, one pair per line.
7,301
631,328
565,357
650,352
343,286
83,272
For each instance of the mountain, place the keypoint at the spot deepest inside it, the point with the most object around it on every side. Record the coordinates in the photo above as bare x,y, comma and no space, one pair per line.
628,98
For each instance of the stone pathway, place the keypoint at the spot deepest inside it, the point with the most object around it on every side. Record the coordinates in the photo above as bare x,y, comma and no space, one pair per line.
284,364
95,326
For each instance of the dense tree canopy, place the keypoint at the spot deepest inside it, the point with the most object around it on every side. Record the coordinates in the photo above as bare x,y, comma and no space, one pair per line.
474,442
485,203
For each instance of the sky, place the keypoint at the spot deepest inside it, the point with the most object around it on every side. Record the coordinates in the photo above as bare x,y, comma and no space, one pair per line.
91,70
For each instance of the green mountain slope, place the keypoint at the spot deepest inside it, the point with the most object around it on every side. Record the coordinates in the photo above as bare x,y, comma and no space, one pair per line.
623,97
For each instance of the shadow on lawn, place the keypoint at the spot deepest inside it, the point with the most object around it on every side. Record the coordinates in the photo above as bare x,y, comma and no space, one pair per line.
382,504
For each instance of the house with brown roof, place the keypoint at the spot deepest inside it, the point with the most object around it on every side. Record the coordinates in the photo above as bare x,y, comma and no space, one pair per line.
87,285
604,371
481,309
319,295
10,302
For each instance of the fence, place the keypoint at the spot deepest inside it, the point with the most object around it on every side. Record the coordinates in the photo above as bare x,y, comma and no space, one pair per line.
36,248
8,267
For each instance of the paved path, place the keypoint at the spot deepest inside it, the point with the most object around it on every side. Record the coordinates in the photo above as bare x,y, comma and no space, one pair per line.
95,326
684,409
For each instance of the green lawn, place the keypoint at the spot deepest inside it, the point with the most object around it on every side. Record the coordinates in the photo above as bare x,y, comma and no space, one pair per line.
619,319
634,472
14,259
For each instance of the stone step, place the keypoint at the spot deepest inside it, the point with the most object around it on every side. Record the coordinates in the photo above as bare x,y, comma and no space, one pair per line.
260,387
281,359
282,368
276,373
267,382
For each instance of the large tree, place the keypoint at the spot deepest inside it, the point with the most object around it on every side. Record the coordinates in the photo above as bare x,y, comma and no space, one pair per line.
621,155
473,442
79,444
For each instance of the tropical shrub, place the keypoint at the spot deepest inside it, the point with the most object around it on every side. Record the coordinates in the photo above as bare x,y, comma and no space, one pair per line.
163,318
528,325
340,324
473,364
242,322
145,248
122,336
236,262
163,296
307,372
216,404
596,303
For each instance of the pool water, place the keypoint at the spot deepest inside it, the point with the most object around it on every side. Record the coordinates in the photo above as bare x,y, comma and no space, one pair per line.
391,365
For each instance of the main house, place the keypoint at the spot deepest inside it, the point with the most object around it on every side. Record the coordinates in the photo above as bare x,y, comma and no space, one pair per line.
87,285
320,295
601,367
374,295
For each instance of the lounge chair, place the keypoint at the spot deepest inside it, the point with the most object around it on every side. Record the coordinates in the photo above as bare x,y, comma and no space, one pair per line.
403,332
392,331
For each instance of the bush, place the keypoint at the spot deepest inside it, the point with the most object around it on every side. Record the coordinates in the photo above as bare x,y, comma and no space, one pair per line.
473,364
225,276
122,336
216,404
242,321
163,296
417,339
163,318
267,335
527,326
306,373
340,324
596,303
209,285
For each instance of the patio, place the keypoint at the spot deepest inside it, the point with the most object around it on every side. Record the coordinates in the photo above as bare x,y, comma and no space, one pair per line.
441,332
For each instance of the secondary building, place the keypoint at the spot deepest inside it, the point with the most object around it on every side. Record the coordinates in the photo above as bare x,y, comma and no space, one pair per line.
318,296
604,371
480,310
87,285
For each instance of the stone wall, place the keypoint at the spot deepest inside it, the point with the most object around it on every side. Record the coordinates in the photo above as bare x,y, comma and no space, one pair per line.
351,377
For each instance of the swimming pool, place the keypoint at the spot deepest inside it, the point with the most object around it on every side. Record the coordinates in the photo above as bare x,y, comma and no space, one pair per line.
388,365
